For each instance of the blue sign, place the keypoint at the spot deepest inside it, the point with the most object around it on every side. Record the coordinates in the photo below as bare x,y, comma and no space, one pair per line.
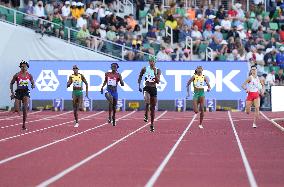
58,103
241,105
225,79
180,104
88,104
120,106
211,103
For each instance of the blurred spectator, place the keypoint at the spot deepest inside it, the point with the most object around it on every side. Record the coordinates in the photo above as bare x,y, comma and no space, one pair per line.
186,55
82,20
163,54
29,9
226,24
66,12
199,22
151,34
208,34
58,26
209,11
279,78
111,34
280,58
85,38
270,79
269,57
196,37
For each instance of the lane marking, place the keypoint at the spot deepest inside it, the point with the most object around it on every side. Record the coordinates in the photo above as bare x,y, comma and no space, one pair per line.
249,172
159,170
78,164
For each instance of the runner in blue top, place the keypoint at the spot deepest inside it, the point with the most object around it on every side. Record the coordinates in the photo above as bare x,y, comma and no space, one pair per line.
152,78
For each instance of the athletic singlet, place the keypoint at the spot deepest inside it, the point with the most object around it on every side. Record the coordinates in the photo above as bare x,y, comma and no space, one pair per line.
254,85
199,81
150,75
112,79
23,82
77,81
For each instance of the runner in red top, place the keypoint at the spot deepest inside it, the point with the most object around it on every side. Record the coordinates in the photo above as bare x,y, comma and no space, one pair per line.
22,93
254,88
111,80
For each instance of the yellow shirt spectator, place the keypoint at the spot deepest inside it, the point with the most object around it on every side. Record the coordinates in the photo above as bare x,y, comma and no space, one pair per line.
172,24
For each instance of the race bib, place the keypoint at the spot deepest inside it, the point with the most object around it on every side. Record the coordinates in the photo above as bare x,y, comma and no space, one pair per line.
77,84
111,82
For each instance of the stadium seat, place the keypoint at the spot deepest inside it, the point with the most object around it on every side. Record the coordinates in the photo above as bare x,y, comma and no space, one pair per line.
273,26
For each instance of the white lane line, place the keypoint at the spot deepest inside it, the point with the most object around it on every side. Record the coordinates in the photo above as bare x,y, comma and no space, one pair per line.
78,164
49,127
273,121
161,167
41,119
57,141
249,172
31,113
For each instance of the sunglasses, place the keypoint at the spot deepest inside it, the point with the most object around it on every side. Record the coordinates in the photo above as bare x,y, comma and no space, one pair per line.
75,68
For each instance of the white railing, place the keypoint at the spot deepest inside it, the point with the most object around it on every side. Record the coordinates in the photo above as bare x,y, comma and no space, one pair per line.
72,35
189,44
125,5
209,54
169,32
151,22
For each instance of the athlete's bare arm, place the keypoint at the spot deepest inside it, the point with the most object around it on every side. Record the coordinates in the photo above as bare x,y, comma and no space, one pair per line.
105,82
157,76
120,80
32,82
14,79
188,85
245,83
143,70
207,82
69,82
87,86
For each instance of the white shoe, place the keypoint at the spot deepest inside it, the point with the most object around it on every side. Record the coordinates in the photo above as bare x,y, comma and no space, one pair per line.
200,126
254,125
76,125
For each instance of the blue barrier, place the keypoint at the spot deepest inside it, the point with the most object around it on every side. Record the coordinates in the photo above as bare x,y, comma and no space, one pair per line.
225,79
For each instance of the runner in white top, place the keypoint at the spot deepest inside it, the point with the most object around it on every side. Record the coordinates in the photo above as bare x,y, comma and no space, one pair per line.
254,89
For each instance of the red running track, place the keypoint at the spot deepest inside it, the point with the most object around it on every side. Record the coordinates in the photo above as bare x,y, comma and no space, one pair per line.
204,157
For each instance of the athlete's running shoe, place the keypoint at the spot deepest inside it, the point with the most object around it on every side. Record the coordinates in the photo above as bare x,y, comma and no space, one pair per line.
200,126
152,128
109,120
76,125
24,128
254,125
145,118
113,122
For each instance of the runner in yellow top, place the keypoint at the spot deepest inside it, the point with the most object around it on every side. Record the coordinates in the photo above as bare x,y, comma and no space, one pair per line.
198,80
77,79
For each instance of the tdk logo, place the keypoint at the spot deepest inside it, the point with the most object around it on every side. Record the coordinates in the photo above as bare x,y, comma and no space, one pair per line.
47,81
217,79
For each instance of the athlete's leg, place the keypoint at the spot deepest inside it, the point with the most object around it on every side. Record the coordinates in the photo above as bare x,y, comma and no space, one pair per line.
147,104
25,109
114,111
248,106
109,97
256,104
201,101
75,107
195,105
153,101
17,106
109,112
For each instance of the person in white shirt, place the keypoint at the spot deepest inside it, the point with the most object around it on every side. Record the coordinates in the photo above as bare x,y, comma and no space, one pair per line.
197,37
102,31
226,24
39,10
90,10
270,79
66,10
82,21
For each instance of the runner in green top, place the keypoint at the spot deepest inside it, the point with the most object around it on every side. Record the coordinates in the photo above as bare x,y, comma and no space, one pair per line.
77,80
198,80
